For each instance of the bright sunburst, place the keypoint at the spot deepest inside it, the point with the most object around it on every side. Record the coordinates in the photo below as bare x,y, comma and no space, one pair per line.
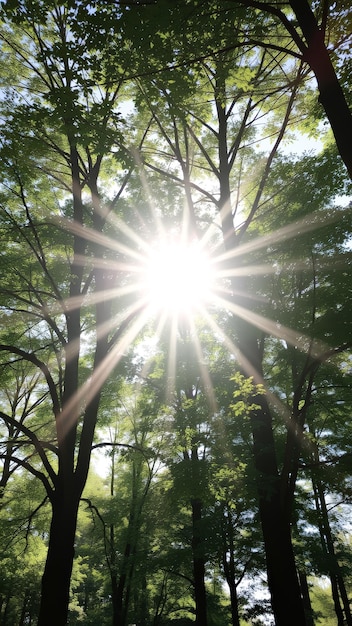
179,277
175,281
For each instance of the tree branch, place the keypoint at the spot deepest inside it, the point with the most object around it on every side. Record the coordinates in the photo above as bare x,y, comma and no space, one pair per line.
31,357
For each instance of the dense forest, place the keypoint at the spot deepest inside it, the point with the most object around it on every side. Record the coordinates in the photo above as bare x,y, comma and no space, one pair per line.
175,313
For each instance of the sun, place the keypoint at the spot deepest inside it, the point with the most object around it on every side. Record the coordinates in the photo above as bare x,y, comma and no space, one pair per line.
178,277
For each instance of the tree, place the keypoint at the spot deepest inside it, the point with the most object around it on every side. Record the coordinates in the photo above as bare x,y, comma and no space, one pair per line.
135,470
62,127
315,52
22,527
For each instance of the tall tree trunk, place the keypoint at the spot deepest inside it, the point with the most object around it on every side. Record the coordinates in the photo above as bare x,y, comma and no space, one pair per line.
23,620
228,560
235,618
72,472
331,95
121,586
58,567
141,603
286,599
306,597
69,483
283,580
334,589
338,587
4,621
333,581
198,564
118,592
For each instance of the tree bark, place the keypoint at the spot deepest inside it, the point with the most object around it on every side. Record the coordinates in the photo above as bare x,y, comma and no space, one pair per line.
286,599
58,568
198,564
118,591
306,597
23,616
229,567
338,587
4,620
121,587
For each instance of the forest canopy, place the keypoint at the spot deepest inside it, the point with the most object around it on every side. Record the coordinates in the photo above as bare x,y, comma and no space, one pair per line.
175,298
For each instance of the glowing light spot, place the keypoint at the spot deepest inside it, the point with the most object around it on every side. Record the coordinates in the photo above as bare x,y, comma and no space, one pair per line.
178,277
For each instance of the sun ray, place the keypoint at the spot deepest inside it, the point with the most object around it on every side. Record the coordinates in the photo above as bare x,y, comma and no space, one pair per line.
148,195
95,297
205,374
314,221
172,359
281,409
91,387
101,239
295,338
